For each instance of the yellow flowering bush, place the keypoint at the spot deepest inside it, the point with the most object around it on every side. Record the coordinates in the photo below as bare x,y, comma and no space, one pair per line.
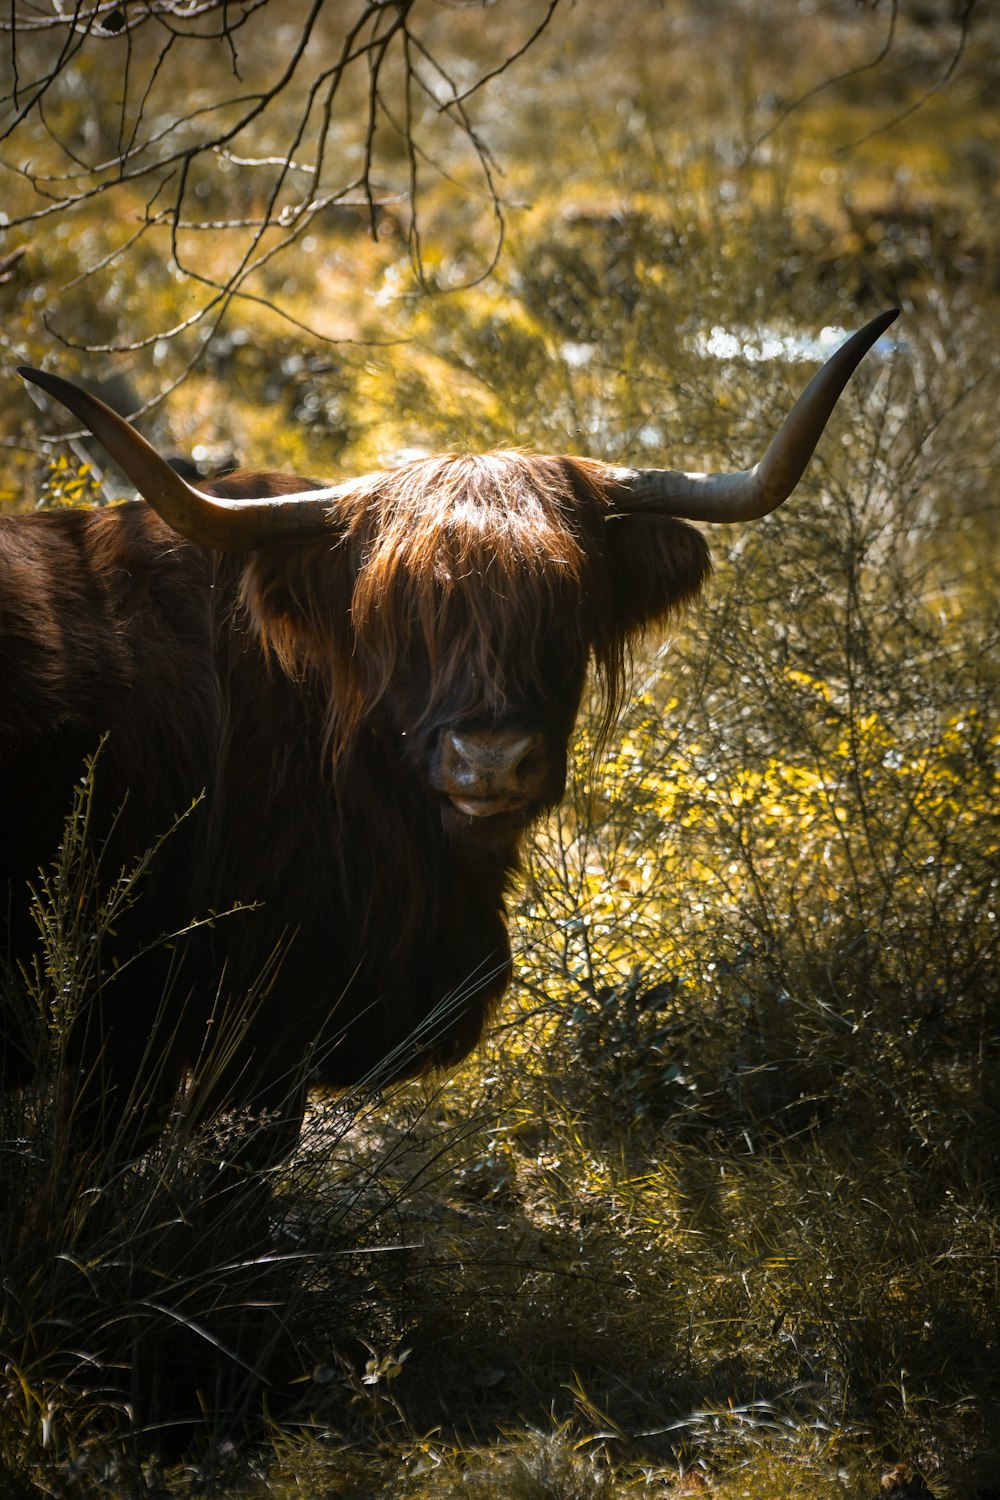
848,884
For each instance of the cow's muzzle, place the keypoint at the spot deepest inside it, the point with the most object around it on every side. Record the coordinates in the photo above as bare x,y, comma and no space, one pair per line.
484,772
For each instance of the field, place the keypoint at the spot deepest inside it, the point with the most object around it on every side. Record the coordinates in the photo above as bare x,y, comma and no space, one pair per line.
715,1210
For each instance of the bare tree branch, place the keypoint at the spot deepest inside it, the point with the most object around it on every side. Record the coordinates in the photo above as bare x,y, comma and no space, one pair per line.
832,82
965,22
459,98
881,56
138,130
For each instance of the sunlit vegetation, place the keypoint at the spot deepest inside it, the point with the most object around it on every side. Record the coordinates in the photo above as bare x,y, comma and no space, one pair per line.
715,1211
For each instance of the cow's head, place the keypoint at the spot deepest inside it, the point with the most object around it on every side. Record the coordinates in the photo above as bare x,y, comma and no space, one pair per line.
453,604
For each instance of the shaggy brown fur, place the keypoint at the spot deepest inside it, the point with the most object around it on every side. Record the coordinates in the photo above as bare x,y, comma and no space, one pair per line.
307,690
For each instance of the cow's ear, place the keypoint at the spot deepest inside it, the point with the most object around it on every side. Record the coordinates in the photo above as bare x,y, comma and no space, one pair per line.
298,598
656,565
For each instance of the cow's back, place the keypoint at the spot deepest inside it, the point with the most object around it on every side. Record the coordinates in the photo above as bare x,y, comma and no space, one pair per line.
106,648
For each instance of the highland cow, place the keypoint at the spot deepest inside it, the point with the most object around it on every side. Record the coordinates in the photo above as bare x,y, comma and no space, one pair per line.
360,698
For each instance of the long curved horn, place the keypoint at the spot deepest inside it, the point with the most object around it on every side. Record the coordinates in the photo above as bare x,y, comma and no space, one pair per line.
752,493
227,525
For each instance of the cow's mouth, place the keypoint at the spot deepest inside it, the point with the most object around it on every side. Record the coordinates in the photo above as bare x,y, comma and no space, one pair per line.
486,807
